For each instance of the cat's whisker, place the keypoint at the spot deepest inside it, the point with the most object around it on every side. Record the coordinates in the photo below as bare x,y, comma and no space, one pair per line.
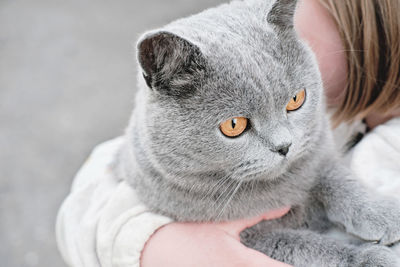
251,172
226,194
191,188
216,187
222,197
222,181
220,201
230,199
252,187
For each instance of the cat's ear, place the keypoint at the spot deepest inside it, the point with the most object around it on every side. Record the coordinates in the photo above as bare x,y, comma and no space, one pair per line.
282,14
170,64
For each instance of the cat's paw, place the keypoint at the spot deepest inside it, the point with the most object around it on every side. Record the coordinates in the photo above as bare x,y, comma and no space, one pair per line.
375,256
378,222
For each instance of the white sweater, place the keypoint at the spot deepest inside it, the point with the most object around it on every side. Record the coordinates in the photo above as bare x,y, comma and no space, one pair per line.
103,223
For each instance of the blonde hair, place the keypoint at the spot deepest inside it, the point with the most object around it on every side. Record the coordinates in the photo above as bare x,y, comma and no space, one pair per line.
370,31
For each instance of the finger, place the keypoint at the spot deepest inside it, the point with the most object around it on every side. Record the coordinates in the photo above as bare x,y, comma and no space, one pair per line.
275,214
234,228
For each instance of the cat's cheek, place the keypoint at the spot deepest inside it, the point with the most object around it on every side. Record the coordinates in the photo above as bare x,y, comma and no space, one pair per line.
233,149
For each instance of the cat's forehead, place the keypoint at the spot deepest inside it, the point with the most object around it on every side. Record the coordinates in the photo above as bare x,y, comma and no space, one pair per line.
244,69
243,44
247,58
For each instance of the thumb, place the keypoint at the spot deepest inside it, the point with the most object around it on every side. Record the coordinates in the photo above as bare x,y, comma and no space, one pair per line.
235,227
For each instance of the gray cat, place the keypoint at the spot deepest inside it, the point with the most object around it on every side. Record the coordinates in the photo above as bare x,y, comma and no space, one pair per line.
230,123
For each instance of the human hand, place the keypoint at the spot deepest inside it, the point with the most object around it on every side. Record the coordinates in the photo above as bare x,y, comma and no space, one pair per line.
206,244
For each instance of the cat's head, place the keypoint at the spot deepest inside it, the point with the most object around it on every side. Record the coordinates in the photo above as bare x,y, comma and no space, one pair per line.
233,95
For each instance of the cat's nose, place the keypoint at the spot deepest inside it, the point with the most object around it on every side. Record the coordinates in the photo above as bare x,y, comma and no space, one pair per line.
283,149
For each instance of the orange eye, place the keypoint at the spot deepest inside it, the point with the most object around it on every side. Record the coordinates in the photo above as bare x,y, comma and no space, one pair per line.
297,101
234,127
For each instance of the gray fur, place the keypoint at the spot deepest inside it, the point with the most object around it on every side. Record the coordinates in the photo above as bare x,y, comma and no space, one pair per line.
244,59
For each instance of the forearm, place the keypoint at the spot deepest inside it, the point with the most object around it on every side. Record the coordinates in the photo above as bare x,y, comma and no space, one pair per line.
340,193
347,203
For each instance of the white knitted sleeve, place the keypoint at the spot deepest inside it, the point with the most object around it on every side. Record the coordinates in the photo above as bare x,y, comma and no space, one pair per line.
102,222
376,160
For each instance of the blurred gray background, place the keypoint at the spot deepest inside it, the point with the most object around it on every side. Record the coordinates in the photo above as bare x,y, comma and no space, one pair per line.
67,82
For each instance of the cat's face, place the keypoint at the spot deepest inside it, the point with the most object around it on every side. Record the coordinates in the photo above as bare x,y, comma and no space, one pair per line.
244,108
